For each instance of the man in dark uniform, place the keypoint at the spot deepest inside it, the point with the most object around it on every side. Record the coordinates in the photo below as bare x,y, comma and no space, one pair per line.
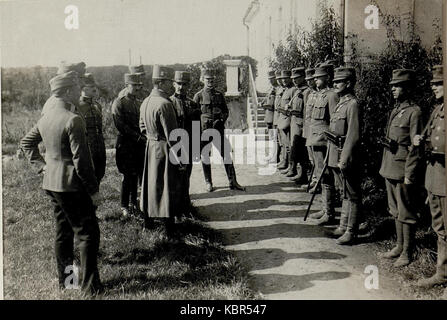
278,94
298,151
399,164
160,187
130,143
434,136
139,71
269,103
325,103
343,148
69,180
214,114
91,111
284,119
187,111
308,107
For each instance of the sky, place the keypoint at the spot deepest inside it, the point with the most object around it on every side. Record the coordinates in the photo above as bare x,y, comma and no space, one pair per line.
33,32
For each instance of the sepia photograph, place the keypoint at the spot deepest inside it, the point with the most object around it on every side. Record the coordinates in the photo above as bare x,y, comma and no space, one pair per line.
243,151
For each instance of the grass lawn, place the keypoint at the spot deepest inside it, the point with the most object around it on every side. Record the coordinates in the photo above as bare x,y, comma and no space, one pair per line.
132,264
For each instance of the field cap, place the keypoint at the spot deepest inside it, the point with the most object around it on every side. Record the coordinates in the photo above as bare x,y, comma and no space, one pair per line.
298,72
77,67
271,74
137,69
88,80
162,73
310,73
132,78
322,70
208,73
182,77
344,73
65,80
285,74
402,75
437,74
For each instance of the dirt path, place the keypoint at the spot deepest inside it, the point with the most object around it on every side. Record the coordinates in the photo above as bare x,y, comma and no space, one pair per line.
287,257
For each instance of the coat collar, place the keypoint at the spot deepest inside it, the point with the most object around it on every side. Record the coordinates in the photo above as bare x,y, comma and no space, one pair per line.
159,93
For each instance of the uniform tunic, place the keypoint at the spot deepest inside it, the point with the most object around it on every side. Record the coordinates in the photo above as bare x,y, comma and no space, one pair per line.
130,143
324,104
278,94
159,188
404,123
92,114
269,105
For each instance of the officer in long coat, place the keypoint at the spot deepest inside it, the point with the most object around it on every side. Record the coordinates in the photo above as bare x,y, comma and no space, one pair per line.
325,103
308,107
284,119
214,115
69,180
141,73
434,149
186,111
91,111
344,153
159,191
298,151
399,163
130,143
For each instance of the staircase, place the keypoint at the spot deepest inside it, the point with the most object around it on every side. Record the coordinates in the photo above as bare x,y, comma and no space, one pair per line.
255,114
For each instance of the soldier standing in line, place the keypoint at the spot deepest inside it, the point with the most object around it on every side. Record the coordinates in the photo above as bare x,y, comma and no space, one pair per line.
278,94
69,180
139,71
187,111
343,149
65,67
434,138
284,119
399,164
160,188
214,114
130,143
91,111
298,151
325,102
308,106
269,104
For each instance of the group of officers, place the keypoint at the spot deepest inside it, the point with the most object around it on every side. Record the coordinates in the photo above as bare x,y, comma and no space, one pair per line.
71,130
316,116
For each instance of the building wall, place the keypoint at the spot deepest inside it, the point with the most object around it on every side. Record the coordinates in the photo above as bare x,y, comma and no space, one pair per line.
274,18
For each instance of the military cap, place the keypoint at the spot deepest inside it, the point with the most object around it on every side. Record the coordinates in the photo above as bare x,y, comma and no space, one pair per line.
402,75
310,73
137,69
298,72
278,74
344,73
65,80
162,73
271,74
208,73
66,67
130,78
285,74
88,80
322,70
182,76
437,74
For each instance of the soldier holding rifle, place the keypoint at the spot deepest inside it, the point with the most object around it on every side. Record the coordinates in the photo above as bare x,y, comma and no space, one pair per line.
399,164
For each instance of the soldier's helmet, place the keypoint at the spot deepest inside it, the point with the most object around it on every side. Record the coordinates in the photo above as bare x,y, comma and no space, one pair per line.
130,78
310,73
64,80
182,77
162,73
403,75
437,72
298,72
344,73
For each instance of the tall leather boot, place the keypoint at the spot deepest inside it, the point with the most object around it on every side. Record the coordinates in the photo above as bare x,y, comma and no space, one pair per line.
341,229
350,234
405,257
328,206
285,160
231,174
207,173
396,251
291,171
440,277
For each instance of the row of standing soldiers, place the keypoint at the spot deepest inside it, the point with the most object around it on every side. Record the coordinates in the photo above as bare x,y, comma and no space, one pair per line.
317,118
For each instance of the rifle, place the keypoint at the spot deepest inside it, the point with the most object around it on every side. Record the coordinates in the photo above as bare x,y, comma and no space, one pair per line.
326,158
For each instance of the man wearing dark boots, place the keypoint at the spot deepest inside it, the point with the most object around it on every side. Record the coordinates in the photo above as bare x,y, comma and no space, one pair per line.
435,177
214,114
278,95
399,163
308,107
325,103
298,151
343,153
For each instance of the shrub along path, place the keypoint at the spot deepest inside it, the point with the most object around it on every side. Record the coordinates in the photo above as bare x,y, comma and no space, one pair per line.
287,257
